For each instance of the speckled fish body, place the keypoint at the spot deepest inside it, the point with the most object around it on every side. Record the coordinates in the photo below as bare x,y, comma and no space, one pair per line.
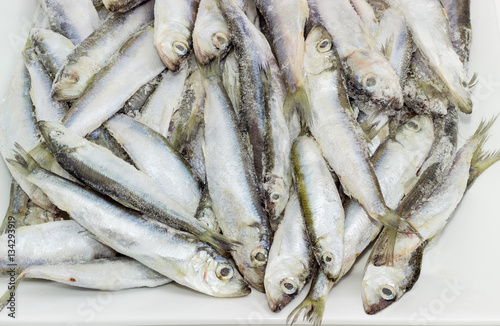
122,5
458,12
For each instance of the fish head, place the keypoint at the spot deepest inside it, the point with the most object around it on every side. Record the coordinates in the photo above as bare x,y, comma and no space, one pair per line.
216,275
59,138
381,287
211,41
416,132
284,279
276,196
252,262
319,52
66,85
173,45
370,74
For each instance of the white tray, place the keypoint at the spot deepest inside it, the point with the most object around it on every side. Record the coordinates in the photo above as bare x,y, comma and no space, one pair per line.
459,283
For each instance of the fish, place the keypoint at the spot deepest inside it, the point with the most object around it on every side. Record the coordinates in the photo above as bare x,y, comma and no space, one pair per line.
210,33
174,22
435,44
98,168
51,48
175,254
287,19
18,205
384,284
122,5
135,102
97,50
396,162
232,183
41,244
291,259
325,84
153,155
369,74
113,274
111,87
76,21
321,205
367,14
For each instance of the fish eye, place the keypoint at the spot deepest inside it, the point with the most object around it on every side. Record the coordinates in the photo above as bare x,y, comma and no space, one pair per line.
387,292
288,286
224,271
55,133
180,48
275,197
324,46
369,82
259,256
412,126
220,40
327,258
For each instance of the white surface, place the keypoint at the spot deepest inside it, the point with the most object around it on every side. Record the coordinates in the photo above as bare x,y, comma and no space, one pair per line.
458,285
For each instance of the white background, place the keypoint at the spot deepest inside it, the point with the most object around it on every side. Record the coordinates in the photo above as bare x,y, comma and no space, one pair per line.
459,283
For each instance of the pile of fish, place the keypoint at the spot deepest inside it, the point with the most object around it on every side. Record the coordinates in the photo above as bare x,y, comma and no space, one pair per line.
223,144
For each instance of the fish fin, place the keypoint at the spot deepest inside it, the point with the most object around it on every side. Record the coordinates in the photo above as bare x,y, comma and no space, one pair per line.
9,294
219,242
371,126
473,81
384,248
298,101
311,311
394,221
23,162
482,160
387,47
211,70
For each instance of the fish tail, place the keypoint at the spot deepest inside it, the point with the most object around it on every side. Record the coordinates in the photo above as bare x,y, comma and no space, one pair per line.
384,248
394,221
219,242
23,162
298,101
311,311
6,297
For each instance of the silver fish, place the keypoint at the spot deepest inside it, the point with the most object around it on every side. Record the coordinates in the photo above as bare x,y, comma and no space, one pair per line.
112,86
89,57
321,205
135,102
367,14
384,284
291,260
172,253
18,205
98,168
232,183
396,162
458,13
75,20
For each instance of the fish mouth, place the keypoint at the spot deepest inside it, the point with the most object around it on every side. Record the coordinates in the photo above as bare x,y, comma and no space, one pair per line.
372,309
278,305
